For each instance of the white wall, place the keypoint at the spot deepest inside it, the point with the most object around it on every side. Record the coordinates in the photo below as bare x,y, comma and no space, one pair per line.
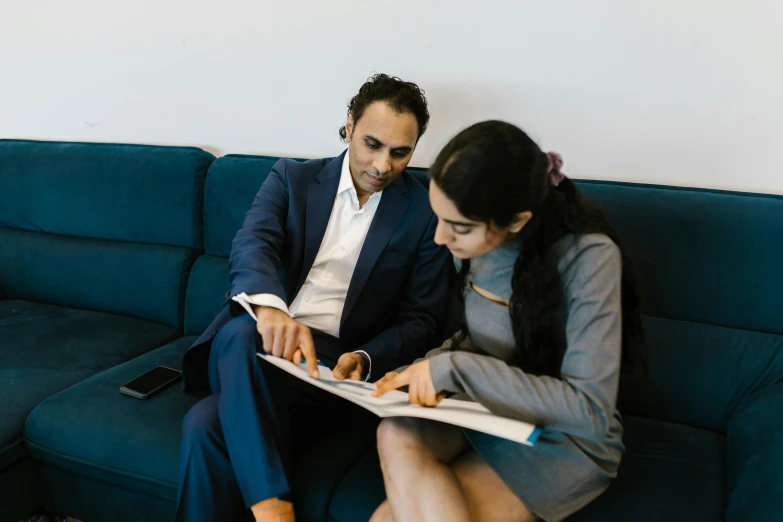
684,92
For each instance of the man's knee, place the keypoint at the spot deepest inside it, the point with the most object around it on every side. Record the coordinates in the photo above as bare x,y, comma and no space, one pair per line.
239,333
201,423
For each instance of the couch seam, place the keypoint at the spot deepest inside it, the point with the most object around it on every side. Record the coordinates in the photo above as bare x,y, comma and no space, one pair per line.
711,324
102,467
674,188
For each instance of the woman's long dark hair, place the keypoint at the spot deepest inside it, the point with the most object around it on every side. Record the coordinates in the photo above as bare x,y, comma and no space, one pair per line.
492,171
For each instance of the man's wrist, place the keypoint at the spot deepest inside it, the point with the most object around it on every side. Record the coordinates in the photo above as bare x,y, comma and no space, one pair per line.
366,363
265,310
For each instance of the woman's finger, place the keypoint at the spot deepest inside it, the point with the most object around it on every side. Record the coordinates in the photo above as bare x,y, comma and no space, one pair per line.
398,381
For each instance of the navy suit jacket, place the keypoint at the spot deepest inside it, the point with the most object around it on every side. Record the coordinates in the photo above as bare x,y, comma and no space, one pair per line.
396,303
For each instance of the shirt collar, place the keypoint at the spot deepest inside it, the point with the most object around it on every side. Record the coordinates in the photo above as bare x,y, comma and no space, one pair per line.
346,183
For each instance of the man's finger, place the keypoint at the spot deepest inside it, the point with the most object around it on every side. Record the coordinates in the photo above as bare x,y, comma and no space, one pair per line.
339,369
267,339
307,347
297,357
278,342
289,345
345,366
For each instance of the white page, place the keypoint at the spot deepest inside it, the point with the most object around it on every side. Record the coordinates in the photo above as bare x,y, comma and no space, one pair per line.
357,392
395,404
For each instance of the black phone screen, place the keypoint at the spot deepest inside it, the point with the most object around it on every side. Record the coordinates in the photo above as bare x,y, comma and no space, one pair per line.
153,379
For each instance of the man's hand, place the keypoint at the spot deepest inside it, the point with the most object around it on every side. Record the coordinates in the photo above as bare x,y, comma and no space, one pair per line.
286,338
417,378
349,366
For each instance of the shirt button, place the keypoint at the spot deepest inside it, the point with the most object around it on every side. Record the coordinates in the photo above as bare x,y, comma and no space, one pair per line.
327,275
307,299
342,247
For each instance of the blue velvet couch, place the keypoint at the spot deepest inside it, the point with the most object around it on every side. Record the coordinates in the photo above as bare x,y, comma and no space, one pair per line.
114,257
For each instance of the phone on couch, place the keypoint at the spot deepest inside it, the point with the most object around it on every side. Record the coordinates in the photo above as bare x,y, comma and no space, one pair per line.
148,384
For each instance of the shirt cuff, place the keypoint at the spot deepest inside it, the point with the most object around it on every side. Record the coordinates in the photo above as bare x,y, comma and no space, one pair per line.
269,300
368,362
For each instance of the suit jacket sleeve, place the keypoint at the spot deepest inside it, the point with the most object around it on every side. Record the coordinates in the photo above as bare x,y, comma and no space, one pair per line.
257,247
422,311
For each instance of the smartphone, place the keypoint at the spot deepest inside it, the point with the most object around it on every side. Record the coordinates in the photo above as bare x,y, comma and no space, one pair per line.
151,382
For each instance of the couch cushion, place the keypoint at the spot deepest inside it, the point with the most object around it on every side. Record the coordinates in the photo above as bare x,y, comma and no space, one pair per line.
45,349
94,430
208,288
143,194
420,175
669,472
699,374
97,433
755,457
710,261
145,281
703,256
319,468
231,186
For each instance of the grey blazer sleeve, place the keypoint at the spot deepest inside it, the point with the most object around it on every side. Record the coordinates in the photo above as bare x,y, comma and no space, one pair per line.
444,348
582,401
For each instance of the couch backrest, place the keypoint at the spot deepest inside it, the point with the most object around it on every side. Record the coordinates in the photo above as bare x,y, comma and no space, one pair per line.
711,269
103,227
231,185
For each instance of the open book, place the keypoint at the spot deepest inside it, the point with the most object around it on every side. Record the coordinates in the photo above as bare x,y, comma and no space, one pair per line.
395,404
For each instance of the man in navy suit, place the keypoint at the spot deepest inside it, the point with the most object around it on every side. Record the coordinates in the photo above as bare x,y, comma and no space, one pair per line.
336,263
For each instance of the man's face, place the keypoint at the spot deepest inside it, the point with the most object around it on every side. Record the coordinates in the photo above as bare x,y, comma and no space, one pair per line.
380,146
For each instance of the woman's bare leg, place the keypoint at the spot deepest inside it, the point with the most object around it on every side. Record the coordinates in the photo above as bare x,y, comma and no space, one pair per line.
420,485
488,498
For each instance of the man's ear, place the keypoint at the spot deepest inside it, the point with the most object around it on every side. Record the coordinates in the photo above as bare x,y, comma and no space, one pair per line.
520,220
349,128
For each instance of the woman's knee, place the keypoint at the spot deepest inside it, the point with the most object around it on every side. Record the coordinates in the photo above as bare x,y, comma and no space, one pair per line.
397,431
399,439
383,513
429,439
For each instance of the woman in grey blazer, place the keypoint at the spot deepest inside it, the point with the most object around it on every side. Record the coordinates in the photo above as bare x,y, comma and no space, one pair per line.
551,332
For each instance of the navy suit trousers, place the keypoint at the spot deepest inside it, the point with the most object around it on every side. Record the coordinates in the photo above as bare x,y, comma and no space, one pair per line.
237,443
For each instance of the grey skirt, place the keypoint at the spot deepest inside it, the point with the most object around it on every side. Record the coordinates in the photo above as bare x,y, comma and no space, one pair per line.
557,476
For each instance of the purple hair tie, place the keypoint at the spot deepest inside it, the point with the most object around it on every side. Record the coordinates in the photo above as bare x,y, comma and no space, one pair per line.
555,164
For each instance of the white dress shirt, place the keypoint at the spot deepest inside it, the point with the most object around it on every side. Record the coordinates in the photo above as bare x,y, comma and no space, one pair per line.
320,302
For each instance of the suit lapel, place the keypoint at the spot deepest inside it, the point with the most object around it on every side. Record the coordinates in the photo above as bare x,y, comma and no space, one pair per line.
321,194
390,211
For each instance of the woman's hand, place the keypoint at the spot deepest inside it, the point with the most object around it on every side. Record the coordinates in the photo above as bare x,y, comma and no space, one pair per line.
417,378
386,378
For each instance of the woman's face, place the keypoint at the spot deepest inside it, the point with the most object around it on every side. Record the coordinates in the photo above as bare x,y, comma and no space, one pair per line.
464,237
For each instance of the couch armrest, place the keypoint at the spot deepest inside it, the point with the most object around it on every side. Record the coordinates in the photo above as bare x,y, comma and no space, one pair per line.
754,447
